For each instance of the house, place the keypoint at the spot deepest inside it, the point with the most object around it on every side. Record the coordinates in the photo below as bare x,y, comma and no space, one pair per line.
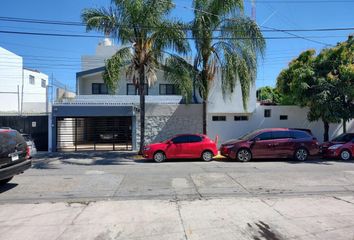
96,119
23,98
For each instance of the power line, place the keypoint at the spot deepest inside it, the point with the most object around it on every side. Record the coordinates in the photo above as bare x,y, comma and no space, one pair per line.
67,23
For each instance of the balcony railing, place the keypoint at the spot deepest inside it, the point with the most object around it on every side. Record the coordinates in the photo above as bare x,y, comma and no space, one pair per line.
118,100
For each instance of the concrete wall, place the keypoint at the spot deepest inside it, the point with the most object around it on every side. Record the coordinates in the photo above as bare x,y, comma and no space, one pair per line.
165,121
297,118
10,79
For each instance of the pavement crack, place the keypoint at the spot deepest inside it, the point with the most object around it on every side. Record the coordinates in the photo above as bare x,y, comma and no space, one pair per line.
200,196
343,200
181,219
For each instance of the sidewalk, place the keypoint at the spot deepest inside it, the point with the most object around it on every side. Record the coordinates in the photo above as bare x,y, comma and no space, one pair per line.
313,217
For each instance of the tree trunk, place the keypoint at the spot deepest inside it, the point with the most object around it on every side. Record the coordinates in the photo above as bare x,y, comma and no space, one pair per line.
204,117
326,131
142,109
344,125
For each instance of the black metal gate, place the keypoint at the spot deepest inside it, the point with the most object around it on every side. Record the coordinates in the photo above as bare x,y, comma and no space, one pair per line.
36,126
94,134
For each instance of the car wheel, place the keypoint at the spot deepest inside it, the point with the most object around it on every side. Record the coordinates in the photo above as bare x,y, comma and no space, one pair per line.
207,156
345,155
159,157
4,181
244,155
301,154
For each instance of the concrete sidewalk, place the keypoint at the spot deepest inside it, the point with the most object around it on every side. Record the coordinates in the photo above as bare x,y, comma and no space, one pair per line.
325,217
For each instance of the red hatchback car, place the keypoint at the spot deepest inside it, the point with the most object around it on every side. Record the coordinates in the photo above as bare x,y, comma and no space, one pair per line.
182,146
340,147
272,143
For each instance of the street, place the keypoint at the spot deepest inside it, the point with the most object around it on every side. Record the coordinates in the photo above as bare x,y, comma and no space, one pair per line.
119,196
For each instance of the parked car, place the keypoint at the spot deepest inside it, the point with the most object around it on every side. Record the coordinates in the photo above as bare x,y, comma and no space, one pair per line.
340,147
14,155
272,143
30,144
182,146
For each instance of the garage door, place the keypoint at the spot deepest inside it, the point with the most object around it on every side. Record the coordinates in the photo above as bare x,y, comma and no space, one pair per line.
94,134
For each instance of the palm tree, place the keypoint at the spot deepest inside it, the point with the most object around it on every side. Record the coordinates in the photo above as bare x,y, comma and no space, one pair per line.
143,28
227,44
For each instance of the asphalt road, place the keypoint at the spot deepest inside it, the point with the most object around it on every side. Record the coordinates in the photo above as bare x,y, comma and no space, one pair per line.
118,176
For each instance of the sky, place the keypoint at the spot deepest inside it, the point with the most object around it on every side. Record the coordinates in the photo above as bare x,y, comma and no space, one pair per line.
59,57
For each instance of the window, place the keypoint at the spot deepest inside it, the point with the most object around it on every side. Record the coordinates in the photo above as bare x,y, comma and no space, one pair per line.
267,113
281,134
99,88
44,83
195,138
241,118
219,118
283,117
265,136
168,89
31,79
300,134
345,137
180,139
133,90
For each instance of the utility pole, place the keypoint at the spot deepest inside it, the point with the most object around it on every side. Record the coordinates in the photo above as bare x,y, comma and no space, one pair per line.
18,99
23,81
254,17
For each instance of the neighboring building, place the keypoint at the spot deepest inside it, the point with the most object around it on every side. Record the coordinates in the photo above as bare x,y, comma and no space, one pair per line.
23,90
23,98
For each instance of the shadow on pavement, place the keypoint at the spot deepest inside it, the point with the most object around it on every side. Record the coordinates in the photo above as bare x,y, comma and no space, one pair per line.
8,186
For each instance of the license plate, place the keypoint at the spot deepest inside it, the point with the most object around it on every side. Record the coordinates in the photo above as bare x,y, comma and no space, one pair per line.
14,157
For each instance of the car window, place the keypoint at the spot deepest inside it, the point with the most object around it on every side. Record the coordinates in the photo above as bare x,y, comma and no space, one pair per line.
281,134
265,136
344,138
181,139
300,134
195,138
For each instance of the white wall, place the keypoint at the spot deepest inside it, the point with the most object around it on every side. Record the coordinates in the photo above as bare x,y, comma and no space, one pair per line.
34,95
85,84
297,118
232,103
10,78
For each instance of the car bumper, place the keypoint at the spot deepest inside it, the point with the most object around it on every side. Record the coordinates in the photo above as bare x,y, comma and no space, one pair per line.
330,153
148,154
13,170
228,153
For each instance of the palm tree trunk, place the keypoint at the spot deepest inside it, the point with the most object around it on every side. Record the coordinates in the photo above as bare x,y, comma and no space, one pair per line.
142,108
326,131
344,125
204,117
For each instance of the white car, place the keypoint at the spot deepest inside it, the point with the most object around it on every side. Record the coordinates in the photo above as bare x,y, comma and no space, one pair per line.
30,144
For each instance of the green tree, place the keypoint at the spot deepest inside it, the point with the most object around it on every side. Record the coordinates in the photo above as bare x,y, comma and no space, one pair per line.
271,95
323,83
142,27
227,44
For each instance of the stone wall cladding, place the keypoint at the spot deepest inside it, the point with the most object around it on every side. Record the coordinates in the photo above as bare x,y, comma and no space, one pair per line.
163,122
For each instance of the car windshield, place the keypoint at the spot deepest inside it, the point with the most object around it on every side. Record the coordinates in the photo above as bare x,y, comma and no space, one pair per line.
248,135
344,138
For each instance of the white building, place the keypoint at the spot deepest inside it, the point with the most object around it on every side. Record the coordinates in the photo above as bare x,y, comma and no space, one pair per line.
97,120
23,90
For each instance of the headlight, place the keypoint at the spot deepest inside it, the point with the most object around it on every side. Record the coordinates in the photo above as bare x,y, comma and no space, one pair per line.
228,146
334,147
146,148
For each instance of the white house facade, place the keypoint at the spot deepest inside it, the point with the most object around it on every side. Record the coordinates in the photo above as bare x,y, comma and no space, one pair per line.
96,119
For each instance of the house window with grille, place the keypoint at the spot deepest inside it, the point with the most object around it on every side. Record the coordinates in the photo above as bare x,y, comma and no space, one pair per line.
168,89
31,79
241,118
219,118
133,90
283,117
99,88
267,113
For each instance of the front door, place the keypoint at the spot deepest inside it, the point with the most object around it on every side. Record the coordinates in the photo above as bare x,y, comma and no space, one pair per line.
178,148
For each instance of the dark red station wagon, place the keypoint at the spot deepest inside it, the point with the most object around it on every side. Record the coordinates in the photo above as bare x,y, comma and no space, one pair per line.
272,143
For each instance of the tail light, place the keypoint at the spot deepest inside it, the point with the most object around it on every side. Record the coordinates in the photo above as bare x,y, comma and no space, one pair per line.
28,150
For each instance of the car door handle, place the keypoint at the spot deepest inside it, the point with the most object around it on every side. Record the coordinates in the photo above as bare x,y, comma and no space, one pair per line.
270,145
276,144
